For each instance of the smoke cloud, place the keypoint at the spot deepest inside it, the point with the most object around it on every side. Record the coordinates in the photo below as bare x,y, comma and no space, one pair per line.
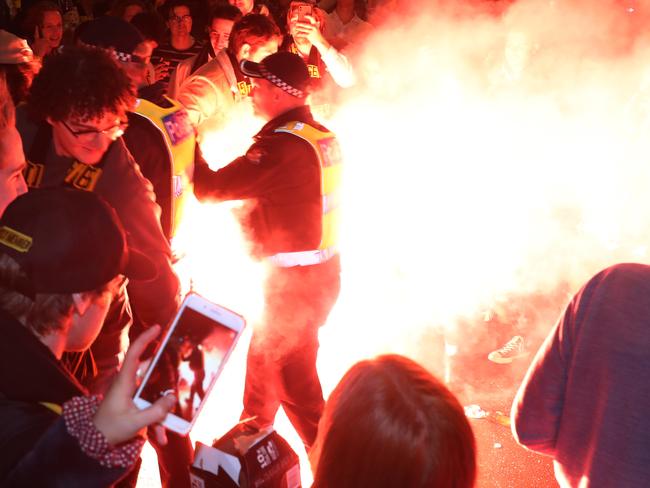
496,157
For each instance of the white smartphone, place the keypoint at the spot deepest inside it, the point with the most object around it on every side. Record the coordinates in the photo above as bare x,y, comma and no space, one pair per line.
189,359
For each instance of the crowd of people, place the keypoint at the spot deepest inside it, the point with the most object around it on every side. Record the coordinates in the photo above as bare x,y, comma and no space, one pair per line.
102,108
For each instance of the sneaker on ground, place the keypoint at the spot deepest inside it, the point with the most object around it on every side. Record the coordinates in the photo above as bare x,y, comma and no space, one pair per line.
513,349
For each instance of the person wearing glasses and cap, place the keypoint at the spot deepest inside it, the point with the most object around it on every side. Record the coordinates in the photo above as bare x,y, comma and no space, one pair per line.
63,255
291,176
71,128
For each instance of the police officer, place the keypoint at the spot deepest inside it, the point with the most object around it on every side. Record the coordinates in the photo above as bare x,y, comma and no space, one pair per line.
291,176
161,139
159,135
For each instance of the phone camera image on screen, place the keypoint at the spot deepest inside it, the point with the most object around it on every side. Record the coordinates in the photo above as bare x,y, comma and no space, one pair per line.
189,361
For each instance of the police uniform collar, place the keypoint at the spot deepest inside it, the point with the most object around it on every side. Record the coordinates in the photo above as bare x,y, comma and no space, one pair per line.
302,114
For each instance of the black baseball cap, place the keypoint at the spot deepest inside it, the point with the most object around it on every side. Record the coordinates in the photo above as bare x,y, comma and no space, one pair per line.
285,70
68,241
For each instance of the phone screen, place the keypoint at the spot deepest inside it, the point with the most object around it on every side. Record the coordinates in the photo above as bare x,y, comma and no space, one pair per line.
189,361
303,11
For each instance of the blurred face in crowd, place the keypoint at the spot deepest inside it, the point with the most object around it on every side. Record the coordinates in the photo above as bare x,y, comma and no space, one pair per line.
52,28
12,164
137,70
180,21
245,6
220,33
87,140
131,11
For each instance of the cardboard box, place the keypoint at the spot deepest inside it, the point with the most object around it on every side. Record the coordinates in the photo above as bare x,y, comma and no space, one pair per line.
241,459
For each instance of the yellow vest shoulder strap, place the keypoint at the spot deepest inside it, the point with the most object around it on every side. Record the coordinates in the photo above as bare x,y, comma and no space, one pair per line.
323,142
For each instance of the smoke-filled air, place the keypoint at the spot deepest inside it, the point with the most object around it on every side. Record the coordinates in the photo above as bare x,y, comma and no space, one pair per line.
495,158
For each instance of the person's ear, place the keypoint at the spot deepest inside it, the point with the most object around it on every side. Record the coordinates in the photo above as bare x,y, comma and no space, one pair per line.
244,52
81,302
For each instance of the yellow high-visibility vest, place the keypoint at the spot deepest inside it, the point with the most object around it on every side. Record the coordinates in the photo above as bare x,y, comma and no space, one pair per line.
328,152
174,124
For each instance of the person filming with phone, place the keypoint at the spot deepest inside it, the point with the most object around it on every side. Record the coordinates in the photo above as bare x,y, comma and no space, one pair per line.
290,176
58,274
305,23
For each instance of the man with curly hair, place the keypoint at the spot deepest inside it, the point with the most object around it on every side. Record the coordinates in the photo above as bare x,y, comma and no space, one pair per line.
71,128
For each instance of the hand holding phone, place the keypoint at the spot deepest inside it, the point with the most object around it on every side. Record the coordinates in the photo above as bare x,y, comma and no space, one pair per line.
189,360
305,24
117,417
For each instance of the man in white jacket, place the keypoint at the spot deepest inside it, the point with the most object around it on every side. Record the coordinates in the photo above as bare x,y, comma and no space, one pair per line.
220,24
213,90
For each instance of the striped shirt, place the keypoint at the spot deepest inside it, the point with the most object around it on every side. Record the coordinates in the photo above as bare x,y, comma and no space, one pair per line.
174,56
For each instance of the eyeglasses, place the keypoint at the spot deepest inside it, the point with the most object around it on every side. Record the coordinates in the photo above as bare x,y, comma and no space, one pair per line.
178,20
113,133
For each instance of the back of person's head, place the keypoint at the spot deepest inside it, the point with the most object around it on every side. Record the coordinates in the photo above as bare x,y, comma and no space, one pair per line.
84,82
57,242
225,11
18,65
127,9
112,33
390,423
150,25
124,41
254,30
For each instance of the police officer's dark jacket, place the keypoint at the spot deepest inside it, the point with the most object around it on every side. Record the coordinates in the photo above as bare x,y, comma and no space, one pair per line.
281,174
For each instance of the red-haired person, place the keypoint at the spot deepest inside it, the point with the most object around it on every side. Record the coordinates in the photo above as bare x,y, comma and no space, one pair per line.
390,423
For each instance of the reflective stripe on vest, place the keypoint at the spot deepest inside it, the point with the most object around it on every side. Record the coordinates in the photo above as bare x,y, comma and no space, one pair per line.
329,156
173,122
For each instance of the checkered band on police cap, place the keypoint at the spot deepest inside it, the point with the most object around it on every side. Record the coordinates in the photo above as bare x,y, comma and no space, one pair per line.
127,58
285,70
